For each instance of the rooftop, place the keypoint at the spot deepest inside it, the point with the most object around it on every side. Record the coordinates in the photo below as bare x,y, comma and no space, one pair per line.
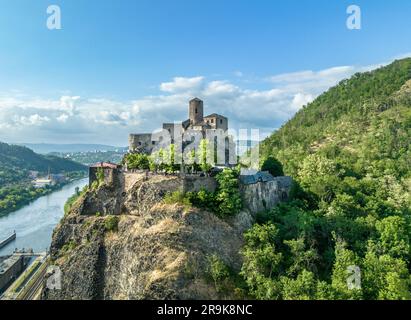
8,263
213,115
265,176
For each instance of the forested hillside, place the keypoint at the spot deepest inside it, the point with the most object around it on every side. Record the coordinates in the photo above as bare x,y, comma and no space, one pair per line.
15,164
349,152
15,161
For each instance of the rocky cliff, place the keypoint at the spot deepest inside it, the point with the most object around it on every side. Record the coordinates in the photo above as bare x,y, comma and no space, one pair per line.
122,242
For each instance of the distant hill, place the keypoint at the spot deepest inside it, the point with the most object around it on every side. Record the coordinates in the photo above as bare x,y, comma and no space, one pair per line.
15,161
45,148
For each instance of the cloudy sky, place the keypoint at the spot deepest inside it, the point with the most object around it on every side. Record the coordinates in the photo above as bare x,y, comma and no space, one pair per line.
127,66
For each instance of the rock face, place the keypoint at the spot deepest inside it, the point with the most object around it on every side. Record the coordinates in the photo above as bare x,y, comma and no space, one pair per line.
262,196
158,251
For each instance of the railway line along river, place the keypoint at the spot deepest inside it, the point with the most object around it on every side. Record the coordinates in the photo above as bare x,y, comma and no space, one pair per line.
34,223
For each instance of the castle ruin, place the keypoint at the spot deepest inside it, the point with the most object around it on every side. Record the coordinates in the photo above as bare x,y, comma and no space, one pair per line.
212,127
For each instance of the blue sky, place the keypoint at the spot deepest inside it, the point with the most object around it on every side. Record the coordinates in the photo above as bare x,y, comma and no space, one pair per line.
124,66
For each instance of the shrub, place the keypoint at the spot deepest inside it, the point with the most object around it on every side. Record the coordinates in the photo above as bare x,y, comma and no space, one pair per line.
100,175
273,166
226,201
177,197
228,198
137,161
217,270
202,199
111,223
69,246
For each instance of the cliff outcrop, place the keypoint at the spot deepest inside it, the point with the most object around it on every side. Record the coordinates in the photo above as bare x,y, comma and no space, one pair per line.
122,242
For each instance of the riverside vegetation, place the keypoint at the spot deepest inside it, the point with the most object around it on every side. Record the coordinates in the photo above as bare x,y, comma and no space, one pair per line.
16,189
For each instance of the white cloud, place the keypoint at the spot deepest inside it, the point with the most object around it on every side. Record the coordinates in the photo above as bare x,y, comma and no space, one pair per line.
74,119
68,103
181,84
301,99
220,88
32,120
62,118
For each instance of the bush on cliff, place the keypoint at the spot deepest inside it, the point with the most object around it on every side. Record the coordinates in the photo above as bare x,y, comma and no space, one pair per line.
273,166
137,161
177,197
111,223
228,198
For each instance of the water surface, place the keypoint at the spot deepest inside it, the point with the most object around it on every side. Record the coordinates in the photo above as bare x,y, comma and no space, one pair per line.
35,222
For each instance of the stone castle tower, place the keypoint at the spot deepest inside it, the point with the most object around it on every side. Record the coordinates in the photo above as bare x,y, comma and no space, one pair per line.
196,112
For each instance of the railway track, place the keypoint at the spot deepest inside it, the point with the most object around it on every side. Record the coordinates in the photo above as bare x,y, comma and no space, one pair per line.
32,290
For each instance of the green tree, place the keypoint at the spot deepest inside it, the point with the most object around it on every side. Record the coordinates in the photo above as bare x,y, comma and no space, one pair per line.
304,287
386,277
262,262
344,260
205,155
319,175
218,271
228,197
273,166
111,223
137,161
301,257
394,237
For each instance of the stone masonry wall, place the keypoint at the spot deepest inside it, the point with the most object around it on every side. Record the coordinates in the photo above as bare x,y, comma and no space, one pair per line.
266,195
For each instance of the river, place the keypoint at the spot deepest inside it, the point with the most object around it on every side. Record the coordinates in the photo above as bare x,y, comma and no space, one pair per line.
34,223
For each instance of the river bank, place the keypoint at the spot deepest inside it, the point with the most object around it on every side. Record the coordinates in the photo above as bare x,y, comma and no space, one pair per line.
14,197
35,222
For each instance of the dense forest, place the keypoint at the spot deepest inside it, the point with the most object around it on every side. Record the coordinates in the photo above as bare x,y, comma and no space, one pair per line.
15,163
349,220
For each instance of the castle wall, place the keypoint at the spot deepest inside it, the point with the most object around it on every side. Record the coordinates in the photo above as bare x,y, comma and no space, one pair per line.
140,143
111,176
263,196
173,129
196,183
217,122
